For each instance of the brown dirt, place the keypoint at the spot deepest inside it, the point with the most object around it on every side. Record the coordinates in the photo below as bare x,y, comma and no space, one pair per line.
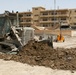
41,54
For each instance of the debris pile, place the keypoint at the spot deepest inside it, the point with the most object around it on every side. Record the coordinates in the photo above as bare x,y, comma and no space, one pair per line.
35,53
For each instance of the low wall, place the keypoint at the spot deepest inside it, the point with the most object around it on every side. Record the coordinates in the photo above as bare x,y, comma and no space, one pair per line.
73,33
53,32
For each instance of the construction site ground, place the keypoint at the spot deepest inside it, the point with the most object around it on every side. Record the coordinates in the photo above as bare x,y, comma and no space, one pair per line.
40,59
16,68
70,42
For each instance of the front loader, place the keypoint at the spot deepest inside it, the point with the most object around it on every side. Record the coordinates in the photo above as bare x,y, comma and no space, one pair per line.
13,37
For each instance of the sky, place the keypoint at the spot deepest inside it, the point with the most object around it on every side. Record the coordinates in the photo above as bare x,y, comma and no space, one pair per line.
25,5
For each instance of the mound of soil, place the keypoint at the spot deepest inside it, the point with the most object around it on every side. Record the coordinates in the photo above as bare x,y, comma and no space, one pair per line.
39,53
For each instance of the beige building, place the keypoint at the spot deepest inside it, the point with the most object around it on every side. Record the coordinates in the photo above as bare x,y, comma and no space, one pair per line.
39,16
50,18
26,19
72,17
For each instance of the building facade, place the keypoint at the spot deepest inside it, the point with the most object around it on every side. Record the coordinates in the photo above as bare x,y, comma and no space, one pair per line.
39,16
50,18
72,17
26,19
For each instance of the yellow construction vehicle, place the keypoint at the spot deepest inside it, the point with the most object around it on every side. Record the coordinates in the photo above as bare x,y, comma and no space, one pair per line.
60,37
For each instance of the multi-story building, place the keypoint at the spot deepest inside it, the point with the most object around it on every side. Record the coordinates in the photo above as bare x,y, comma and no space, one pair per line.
39,16
50,18
36,14
30,18
72,17
26,19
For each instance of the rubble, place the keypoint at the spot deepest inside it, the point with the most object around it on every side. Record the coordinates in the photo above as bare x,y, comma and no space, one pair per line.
35,53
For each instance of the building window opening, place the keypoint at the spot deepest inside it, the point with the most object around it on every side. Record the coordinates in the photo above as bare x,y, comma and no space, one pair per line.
28,20
63,18
45,13
45,19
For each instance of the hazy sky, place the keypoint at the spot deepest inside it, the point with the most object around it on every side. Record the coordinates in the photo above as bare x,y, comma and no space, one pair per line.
25,5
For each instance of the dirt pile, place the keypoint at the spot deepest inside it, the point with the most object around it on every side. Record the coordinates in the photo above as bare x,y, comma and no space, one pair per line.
35,53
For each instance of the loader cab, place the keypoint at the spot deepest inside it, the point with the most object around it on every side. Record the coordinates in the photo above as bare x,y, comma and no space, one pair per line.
6,20
4,26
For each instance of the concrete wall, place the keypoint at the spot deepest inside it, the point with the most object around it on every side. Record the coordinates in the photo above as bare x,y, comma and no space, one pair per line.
53,32
73,33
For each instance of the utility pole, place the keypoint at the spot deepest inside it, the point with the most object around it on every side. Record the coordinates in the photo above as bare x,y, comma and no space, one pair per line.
54,4
54,11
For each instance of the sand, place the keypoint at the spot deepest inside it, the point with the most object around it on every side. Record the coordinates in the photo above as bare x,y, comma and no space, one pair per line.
16,68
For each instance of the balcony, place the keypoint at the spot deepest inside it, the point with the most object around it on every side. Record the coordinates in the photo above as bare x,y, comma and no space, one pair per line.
44,15
48,21
57,15
26,22
26,17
